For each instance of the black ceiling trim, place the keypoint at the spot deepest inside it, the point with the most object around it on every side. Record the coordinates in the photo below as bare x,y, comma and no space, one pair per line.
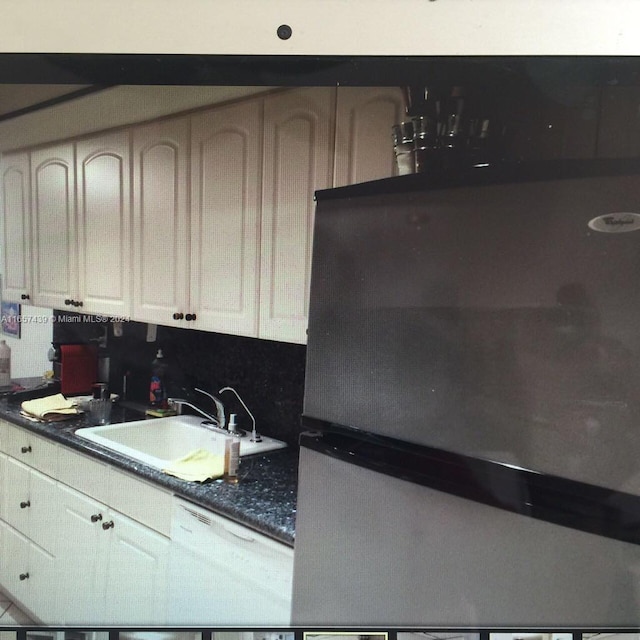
150,69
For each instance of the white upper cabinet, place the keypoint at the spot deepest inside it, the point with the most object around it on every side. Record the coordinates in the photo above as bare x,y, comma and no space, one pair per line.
104,224
202,220
161,222
81,225
364,146
226,164
53,218
16,210
298,160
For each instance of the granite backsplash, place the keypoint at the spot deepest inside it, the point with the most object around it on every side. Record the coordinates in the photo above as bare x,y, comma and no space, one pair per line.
269,376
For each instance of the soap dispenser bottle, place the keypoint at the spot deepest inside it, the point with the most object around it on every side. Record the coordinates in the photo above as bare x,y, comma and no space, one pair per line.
157,387
232,453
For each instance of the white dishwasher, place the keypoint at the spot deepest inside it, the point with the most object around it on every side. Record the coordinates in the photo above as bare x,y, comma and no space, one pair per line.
223,573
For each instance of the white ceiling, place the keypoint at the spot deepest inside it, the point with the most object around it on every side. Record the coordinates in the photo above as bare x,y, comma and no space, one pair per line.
15,97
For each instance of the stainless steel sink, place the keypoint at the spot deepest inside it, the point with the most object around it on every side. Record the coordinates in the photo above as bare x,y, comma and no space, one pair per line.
159,441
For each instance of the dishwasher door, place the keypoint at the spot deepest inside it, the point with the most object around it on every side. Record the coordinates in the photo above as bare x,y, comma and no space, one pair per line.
222,573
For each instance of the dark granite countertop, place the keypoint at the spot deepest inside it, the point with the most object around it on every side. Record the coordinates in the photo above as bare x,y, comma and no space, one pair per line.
264,499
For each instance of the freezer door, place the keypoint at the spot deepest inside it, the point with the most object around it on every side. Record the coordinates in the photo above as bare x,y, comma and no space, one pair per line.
493,321
379,551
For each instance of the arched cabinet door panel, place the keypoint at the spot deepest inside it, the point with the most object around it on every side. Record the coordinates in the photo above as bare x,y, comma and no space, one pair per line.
298,160
160,221
16,197
53,226
364,147
104,224
226,165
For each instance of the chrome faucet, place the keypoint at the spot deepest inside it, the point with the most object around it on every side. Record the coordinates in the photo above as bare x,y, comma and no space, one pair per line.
255,436
176,403
217,422
220,419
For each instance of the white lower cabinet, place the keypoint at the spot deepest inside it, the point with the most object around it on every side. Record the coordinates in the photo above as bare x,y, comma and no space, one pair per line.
116,567
16,494
136,576
15,562
114,549
67,558
30,499
28,567
79,535
29,574
96,545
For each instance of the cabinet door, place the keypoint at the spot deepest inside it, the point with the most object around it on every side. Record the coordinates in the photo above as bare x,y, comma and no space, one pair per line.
40,596
225,178
15,563
43,496
160,222
16,212
298,154
81,556
364,147
30,503
104,223
28,574
53,221
17,511
136,580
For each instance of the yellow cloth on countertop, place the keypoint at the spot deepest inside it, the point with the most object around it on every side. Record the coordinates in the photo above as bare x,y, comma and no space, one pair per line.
197,466
55,407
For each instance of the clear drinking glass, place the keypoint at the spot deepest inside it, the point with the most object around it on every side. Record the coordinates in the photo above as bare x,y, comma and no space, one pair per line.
100,411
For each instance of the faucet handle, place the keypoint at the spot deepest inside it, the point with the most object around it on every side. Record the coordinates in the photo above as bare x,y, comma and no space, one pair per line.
219,407
206,393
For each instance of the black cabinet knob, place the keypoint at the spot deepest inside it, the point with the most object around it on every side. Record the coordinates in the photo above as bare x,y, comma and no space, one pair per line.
108,525
24,296
68,301
24,505
24,576
190,316
178,316
26,449
79,303
96,517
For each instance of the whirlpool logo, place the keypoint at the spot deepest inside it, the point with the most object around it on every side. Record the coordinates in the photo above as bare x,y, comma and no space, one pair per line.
616,222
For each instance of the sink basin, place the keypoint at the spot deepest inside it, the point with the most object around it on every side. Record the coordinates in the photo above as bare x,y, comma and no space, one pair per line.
159,441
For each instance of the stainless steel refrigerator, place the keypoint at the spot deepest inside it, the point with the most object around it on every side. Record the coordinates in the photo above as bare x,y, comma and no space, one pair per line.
472,453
